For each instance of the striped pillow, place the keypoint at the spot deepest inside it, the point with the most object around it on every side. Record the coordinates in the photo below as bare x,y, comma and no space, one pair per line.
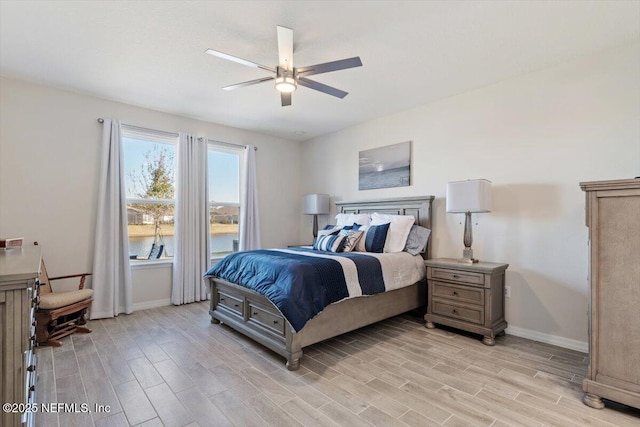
329,242
374,238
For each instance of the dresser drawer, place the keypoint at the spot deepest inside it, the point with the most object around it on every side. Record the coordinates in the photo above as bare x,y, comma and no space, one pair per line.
456,311
231,302
32,331
466,294
458,276
265,318
31,376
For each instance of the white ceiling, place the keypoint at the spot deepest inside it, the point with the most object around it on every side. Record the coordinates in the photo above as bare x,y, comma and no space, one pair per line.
151,53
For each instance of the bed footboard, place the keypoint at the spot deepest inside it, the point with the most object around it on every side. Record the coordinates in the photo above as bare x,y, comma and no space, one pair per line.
253,315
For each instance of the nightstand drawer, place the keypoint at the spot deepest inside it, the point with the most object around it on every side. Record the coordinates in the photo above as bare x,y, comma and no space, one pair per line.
232,303
458,276
455,311
266,319
458,293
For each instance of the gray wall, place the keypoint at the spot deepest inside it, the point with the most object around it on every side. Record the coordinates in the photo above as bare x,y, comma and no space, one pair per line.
536,137
49,165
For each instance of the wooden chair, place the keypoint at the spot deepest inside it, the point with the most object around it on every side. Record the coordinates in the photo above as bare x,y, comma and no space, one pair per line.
59,314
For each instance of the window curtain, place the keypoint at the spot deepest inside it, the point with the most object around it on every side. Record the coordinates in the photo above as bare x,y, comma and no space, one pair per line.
192,254
111,282
249,224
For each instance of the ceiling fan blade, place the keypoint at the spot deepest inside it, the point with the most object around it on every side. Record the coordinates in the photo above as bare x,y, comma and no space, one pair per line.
249,83
327,67
238,60
285,48
311,84
285,98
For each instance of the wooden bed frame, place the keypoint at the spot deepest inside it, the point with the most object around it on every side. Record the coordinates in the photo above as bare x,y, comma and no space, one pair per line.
253,315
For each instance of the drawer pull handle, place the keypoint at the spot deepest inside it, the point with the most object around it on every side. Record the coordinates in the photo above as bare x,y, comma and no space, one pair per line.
236,305
275,322
255,313
455,276
454,311
455,293
221,299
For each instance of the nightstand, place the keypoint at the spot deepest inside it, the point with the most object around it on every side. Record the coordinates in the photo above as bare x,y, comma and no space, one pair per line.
466,296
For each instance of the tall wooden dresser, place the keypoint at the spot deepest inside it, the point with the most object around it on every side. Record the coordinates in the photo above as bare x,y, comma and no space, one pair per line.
19,268
613,218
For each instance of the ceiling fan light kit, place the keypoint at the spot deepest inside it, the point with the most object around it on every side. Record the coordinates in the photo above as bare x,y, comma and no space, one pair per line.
286,76
285,81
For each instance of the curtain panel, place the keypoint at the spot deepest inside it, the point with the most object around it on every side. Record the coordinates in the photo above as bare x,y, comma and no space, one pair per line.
192,253
249,221
112,293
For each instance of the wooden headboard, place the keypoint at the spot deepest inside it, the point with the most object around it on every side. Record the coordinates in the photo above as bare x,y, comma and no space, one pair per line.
419,207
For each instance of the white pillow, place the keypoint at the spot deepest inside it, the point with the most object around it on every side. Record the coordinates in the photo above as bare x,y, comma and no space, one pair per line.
351,218
398,230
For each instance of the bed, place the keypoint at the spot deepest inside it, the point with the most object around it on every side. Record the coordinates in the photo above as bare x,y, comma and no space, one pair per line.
255,316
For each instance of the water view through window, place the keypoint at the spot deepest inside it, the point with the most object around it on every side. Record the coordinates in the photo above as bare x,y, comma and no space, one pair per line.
149,173
224,199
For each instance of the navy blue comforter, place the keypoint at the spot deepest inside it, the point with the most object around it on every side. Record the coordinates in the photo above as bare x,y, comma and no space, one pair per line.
300,286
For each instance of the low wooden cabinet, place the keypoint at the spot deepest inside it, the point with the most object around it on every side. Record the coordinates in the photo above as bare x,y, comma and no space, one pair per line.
19,268
466,296
613,218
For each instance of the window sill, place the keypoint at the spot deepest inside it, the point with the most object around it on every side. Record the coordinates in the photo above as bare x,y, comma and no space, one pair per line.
156,263
162,263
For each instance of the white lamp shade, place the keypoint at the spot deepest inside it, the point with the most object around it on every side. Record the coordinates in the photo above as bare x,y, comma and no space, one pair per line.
469,196
315,204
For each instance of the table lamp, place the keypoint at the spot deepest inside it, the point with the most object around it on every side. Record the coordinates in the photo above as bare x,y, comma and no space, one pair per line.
467,197
315,204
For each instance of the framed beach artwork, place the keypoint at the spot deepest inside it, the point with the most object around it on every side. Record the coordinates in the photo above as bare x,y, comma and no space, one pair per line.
385,167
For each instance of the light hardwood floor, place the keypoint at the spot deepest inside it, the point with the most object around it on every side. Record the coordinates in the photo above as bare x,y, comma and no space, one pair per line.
170,366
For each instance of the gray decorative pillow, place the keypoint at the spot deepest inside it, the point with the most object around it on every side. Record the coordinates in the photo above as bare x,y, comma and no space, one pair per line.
352,238
417,240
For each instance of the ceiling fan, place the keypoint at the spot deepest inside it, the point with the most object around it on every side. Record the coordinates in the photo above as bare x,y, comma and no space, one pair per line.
286,76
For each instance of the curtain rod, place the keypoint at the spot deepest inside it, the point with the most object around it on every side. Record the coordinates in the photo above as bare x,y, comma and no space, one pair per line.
101,120
230,144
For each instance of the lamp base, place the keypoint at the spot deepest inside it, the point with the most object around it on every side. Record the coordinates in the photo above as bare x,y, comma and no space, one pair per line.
467,253
467,256
315,226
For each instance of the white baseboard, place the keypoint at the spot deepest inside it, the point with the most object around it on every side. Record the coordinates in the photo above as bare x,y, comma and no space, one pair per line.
152,304
582,346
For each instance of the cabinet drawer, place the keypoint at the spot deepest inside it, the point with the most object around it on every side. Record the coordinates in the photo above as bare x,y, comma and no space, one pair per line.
455,311
267,319
30,363
32,332
230,302
458,293
458,276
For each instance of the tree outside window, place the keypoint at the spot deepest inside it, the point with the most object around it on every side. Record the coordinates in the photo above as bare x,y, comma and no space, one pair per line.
155,181
150,195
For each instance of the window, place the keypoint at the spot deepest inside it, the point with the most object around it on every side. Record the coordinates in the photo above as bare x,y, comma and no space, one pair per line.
224,198
149,174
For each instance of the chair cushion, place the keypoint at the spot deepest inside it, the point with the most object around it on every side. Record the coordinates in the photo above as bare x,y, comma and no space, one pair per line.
62,299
